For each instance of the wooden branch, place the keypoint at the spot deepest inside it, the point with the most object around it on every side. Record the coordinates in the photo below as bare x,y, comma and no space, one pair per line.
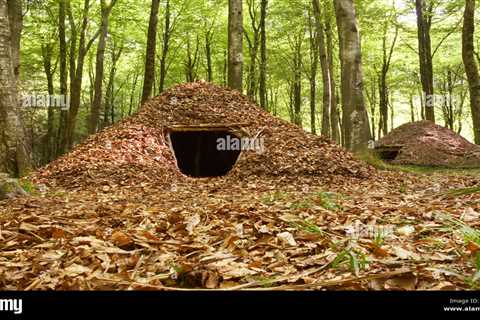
207,126
445,37
90,42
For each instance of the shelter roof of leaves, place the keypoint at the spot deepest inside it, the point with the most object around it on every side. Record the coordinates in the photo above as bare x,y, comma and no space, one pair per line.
138,147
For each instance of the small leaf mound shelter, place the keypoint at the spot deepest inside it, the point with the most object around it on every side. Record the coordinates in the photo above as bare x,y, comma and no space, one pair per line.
174,138
425,143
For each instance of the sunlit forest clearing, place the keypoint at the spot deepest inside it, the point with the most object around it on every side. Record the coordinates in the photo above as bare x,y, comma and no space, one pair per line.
232,145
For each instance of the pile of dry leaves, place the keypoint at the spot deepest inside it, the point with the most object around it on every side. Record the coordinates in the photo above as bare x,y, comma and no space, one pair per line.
136,148
118,214
428,144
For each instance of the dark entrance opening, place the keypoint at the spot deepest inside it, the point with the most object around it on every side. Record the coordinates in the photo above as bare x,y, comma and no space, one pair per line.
197,153
388,153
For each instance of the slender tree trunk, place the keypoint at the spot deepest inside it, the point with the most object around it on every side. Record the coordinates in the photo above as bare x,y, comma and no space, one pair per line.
77,71
297,80
422,103
102,42
372,101
273,101
392,110
64,146
149,76
340,114
383,88
109,105
424,20
166,46
449,86
235,44
313,73
190,64
63,73
132,94
471,67
325,70
412,109
253,46
47,67
291,111
208,53
225,68
263,56
459,111
16,157
355,117
334,118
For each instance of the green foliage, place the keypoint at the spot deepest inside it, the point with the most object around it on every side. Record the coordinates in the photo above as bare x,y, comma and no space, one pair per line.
379,239
271,198
328,200
306,226
356,260
301,204
474,280
28,186
462,191
468,233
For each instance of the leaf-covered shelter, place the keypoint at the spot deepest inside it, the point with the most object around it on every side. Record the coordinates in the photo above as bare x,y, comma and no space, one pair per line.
175,135
425,143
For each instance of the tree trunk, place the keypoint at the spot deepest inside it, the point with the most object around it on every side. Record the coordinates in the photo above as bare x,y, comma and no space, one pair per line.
225,68
166,46
471,67
15,17
235,44
325,70
63,73
102,42
383,88
313,73
47,67
190,64
208,53
297,80
392,110
412,109
16,158
253,46
424,21
132,94
334,118
355,117
76,71
372,101
149,76
109,105
263,56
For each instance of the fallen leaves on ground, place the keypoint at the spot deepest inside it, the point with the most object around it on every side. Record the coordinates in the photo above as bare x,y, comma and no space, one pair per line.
304,215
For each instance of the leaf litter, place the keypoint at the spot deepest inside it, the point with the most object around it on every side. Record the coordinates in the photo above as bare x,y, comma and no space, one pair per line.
117,214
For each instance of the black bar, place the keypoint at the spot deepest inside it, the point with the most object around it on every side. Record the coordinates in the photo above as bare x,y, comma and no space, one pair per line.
249,304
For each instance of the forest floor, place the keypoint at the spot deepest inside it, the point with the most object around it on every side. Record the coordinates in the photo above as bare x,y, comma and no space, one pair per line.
420,233
116,213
